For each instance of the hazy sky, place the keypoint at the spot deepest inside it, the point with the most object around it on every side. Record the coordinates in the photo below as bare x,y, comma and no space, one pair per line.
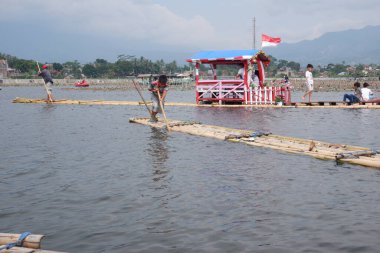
86,29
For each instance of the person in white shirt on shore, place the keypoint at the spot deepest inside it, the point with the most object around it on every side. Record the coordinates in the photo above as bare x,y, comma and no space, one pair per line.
309,82
366,92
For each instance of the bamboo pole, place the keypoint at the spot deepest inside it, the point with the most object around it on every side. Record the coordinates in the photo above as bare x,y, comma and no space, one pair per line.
31,241
142,97
136,103
162,109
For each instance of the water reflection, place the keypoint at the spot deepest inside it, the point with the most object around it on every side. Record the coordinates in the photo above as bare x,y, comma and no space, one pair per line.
158,150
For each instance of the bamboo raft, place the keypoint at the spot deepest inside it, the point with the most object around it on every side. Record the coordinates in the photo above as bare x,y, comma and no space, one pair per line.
321,150
320,104
31,244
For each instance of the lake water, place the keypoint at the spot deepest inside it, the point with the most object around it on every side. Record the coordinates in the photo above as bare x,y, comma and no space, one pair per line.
92,182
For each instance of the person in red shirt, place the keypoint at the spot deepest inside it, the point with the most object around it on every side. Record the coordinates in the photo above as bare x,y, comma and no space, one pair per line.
161,85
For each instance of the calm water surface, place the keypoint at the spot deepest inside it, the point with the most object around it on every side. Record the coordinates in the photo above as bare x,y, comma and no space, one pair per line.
92,182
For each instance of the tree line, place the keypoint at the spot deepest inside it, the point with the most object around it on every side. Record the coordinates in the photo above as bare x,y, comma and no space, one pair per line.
125,65
129,65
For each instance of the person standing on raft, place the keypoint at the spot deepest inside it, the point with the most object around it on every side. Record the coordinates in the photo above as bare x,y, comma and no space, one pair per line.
309,82
161,86
45,74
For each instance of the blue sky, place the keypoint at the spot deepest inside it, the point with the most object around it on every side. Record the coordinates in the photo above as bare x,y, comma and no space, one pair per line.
61,30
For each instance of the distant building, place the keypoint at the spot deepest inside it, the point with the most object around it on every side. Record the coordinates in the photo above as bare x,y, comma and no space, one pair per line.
3,69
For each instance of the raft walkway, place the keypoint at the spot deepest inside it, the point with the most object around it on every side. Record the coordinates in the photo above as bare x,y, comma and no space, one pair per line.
315,105
340,153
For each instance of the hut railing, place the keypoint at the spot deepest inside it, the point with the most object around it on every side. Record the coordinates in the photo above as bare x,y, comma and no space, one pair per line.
268,95
220,90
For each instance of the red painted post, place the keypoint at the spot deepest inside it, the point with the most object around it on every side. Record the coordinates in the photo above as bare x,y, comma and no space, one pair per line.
246,86
196,82
214,67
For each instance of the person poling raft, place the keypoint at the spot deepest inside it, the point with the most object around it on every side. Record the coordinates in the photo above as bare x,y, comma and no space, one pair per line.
156,88
48,81
158,91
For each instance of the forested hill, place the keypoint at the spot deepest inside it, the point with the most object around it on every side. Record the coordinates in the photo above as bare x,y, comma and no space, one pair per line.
351,47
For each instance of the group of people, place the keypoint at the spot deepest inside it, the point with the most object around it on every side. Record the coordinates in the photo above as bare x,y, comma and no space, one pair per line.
360,94
157,88
255,80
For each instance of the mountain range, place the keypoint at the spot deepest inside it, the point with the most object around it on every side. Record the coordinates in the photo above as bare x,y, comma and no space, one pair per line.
350,46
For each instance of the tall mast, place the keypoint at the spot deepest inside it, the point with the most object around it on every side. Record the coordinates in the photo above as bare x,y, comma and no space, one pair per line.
254,33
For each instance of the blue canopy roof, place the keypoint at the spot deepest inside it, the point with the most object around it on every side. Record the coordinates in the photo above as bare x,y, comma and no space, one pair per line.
227,55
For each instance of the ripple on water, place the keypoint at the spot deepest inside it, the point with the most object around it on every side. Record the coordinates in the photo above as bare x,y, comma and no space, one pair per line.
92,182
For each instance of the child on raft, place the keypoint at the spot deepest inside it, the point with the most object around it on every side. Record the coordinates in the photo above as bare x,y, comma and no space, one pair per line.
356,97
367,94
161,86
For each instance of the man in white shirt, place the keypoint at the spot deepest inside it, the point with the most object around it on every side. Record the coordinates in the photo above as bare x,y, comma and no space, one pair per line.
309,82
366,92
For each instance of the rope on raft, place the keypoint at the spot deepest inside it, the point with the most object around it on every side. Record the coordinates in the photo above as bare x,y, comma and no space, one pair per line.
355,155
184,123
18,243
251,136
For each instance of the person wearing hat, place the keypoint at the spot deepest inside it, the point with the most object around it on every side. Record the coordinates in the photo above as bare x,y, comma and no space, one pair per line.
45,74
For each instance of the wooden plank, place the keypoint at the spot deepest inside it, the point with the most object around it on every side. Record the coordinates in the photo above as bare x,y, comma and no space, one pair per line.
317,149
27,250
313,105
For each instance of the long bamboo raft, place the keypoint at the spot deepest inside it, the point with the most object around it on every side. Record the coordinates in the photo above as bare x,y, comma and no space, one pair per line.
318,149
31,244
319,104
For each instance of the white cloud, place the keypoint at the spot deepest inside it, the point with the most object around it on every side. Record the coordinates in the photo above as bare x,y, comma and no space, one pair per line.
127,19
211,24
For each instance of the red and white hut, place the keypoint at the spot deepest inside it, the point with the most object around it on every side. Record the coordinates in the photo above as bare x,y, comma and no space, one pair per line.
236,90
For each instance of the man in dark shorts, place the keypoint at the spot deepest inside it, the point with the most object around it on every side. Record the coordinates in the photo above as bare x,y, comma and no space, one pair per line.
161,85
45,74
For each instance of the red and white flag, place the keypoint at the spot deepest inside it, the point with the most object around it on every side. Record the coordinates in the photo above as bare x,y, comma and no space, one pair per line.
267,41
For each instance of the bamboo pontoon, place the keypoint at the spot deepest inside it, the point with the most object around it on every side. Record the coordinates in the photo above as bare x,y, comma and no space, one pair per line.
321,150
313,105
31,244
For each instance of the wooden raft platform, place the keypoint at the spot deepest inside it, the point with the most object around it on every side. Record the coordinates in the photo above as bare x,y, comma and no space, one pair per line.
321,150
31,244
320,104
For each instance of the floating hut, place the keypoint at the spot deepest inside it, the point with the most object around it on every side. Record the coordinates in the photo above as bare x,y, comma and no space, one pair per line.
236,90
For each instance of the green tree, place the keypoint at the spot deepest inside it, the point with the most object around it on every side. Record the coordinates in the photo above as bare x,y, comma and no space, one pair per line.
57,66
90,71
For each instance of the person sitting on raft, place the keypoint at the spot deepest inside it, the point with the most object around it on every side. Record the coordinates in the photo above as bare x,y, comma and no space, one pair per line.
161,85
356,97
366,92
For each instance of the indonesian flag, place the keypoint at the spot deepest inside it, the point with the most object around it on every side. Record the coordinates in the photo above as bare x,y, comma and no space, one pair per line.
267,41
